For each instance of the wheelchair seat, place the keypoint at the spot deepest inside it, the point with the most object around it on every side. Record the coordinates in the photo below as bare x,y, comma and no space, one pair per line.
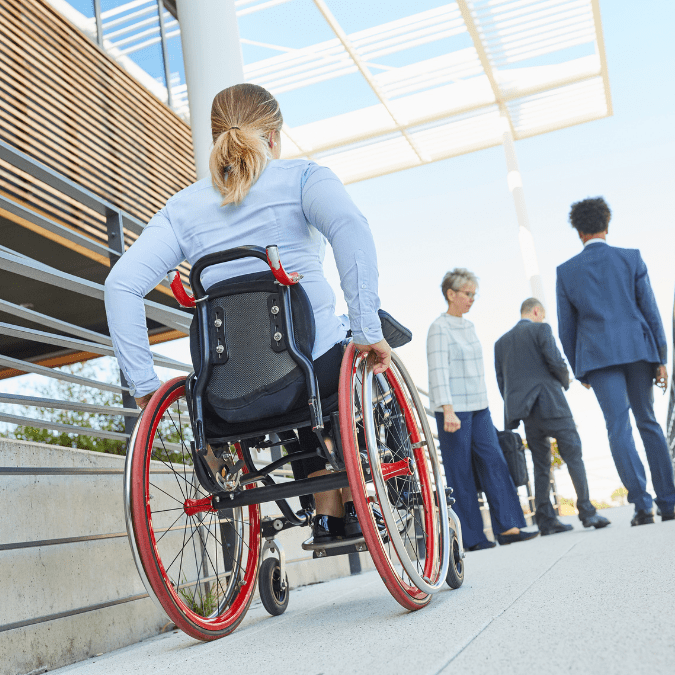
219,432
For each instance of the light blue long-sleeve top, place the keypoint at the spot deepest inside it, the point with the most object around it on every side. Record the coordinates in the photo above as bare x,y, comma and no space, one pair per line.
296,205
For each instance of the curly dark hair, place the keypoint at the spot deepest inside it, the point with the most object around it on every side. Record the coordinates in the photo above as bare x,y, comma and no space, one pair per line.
590,216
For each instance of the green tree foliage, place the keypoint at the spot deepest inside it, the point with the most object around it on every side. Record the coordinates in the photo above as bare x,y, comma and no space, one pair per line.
71,392
556,459
619,495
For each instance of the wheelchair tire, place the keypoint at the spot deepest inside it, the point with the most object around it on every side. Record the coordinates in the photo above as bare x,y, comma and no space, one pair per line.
455,577
273,597
201,568
383,427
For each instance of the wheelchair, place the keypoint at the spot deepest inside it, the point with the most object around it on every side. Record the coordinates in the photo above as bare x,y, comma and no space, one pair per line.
193,490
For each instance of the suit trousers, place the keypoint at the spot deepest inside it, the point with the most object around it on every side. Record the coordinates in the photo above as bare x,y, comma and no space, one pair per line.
538,431
477,439
625,387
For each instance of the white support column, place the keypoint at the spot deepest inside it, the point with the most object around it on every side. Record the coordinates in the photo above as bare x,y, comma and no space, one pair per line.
515,182
213,61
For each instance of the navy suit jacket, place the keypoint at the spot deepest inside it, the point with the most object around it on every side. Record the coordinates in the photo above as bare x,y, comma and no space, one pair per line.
530,369
607,314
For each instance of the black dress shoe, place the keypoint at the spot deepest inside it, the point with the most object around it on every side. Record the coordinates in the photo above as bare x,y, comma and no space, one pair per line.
596,521
668,516
351,526
482,545
326,529
505,539
554,528
642,517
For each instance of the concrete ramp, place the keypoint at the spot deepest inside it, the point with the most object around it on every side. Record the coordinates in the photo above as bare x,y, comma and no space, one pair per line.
586,601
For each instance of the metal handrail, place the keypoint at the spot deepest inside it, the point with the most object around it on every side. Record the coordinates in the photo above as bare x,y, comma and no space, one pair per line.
68,336
49,322
82,345
32,269
68,428
54,179
17,399
26,367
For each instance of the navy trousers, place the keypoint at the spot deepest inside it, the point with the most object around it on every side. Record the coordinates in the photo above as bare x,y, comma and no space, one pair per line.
630,387
477,440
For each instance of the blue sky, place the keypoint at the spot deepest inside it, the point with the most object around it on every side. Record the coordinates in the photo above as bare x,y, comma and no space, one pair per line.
459,212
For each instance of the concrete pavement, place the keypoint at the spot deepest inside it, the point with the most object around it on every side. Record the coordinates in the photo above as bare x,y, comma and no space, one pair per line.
583,602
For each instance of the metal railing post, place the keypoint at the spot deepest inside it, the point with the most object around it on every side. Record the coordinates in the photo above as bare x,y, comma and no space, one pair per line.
115,227
99,23
165,54
554,493
275,450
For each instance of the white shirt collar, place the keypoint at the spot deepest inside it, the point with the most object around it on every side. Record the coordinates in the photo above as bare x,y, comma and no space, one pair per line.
597,240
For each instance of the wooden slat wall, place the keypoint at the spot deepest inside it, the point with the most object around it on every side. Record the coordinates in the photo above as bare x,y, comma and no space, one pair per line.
67,104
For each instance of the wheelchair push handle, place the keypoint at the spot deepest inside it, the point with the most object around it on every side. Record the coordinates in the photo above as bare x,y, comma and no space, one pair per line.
184,298
280,274
270,255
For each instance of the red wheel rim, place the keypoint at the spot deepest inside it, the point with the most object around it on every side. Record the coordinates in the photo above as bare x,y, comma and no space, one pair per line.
409,596
196,625
430,567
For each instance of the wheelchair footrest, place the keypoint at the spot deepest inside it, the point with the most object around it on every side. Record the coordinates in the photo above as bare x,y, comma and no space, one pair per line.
332,548
270,527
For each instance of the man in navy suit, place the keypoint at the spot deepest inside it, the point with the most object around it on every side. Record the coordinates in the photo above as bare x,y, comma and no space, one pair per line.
611,331
531,375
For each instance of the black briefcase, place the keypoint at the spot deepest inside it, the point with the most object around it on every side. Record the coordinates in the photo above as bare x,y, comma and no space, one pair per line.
514,453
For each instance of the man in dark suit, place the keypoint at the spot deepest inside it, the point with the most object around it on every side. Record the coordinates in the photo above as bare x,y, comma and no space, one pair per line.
531,374
611,331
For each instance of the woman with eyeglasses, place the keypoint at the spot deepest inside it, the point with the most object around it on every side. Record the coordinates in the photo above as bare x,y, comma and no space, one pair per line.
467,436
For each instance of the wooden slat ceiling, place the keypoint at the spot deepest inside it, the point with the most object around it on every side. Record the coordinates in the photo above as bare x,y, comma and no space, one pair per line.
68,105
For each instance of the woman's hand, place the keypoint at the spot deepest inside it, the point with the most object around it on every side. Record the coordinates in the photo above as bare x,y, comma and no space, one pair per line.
144,400
381,353
451,422
661,378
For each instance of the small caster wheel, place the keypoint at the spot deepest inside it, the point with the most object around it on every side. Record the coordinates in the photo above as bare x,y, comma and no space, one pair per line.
274,597
455,576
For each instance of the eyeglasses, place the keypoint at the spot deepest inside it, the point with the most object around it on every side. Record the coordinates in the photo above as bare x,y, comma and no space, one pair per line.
471,296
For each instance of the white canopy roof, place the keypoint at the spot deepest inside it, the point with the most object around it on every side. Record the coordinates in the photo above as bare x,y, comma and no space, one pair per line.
450,104
441,80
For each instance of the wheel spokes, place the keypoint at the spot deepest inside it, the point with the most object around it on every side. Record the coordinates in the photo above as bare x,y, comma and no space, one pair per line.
393,440
204,565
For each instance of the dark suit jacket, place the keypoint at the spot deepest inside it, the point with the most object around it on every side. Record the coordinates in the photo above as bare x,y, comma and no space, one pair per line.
607,314
530,369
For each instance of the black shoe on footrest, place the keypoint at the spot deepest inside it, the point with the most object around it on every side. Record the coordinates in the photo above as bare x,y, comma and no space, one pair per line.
326,529
352,527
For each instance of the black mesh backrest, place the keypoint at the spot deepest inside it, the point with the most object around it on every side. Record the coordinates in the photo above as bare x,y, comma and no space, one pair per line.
253,375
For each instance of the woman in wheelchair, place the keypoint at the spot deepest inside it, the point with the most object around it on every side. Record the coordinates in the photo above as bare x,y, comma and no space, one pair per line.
254,198
273,365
